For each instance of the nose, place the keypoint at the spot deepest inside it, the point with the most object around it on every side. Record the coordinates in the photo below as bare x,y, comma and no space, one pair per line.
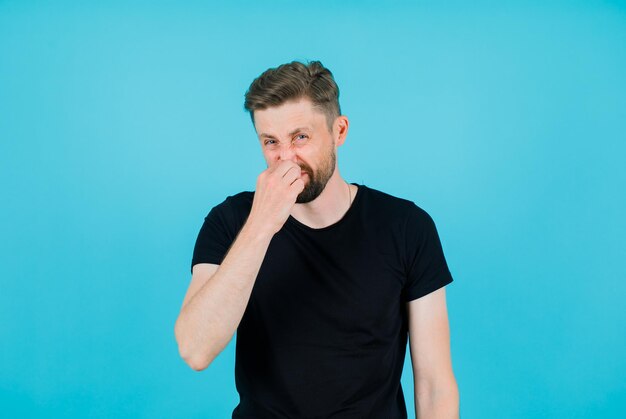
287,153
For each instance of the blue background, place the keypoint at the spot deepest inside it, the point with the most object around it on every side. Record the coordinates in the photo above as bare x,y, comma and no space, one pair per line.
122,124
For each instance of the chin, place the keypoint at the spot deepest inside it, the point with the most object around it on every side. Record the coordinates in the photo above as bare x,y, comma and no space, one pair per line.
310,193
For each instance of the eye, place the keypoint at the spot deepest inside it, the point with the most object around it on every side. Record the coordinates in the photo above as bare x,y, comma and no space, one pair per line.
301,137
269,142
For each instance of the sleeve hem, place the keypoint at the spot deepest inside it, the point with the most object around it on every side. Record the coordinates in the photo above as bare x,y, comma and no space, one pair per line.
206,260
430,288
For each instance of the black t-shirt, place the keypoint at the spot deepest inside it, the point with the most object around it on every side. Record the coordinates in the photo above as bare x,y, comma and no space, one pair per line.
324,334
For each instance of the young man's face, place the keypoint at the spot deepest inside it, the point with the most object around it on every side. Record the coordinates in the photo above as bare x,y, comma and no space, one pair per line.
296,131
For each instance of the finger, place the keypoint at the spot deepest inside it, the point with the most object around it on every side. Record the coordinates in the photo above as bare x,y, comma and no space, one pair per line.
292,174
297,186
286,166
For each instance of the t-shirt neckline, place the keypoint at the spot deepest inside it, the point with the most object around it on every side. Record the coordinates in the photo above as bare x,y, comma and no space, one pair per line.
355,202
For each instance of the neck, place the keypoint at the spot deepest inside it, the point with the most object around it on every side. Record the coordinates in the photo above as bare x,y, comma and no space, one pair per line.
329,207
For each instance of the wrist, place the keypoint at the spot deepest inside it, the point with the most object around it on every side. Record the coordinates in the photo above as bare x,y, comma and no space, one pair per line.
257,231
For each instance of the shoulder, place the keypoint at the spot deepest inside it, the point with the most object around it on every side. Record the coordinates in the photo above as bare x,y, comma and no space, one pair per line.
242,200
394,208
234,209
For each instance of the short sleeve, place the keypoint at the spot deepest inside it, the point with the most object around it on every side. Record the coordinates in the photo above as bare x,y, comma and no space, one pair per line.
214,238
427,269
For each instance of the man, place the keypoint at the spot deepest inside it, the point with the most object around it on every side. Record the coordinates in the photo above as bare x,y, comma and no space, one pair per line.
321,279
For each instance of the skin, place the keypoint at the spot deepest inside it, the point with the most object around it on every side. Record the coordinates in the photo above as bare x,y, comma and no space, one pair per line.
436,390
309,146
297,146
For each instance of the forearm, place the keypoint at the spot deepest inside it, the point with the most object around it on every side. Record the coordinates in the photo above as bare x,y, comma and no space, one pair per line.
440,402
208,321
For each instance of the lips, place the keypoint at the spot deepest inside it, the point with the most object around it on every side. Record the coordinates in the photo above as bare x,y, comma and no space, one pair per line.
304,171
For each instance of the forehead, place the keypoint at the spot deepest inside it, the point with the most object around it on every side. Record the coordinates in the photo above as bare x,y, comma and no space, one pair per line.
283,119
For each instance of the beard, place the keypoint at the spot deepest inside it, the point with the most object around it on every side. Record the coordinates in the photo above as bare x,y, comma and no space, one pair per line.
317,179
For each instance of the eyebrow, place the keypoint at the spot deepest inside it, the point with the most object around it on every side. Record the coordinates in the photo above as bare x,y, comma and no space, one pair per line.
295,131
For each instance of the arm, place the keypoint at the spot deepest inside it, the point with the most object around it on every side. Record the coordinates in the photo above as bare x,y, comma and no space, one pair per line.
217,298
436,391
218,294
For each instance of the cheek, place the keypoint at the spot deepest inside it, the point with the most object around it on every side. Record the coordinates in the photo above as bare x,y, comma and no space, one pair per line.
270,156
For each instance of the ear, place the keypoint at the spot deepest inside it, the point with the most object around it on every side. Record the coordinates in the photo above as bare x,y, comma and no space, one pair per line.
340,129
